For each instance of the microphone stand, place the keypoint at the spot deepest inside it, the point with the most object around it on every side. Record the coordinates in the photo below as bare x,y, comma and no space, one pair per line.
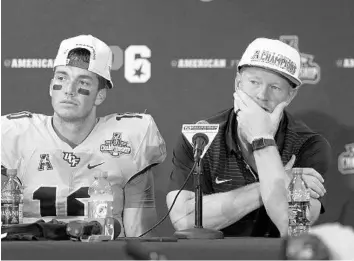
198,232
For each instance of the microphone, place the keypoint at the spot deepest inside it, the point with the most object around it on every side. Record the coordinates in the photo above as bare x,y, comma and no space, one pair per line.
200,136
199,142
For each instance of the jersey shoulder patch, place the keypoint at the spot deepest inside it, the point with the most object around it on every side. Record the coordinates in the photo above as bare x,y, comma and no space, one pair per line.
129,115
128,118
21,121
19,115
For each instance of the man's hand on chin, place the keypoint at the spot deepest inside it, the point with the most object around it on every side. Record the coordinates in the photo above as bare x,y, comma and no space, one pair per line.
253,120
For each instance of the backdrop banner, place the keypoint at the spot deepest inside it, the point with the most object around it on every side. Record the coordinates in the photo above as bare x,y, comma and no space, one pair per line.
177,60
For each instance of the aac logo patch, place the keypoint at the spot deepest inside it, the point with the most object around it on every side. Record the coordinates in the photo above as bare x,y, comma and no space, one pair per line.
44,162
116,146
346,160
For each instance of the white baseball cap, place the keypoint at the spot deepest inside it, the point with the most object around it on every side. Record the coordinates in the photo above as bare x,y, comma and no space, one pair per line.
100,59
274,55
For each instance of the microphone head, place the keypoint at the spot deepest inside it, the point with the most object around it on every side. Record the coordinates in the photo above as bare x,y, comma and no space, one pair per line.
202,137
202,122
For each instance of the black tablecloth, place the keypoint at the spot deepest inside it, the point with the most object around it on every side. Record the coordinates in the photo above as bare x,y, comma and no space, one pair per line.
229,248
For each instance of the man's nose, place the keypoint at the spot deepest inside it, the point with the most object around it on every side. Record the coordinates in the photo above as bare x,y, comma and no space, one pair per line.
70,88
262,92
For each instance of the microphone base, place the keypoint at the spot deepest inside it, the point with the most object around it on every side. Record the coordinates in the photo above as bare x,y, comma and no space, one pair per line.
199,233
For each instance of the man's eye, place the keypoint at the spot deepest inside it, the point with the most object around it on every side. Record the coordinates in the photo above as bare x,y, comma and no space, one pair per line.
274,87
84,83
60,78
254,82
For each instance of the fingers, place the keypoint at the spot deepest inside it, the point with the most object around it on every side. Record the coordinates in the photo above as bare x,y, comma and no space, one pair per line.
290,163
277,112
313,180
312,172
247,100
316,187
314,194
238,103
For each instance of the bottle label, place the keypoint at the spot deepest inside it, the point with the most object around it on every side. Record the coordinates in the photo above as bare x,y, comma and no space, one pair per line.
10,213
299,195
100,209
299,213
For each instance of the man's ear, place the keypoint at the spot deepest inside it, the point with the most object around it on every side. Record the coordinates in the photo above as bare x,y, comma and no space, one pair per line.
101,96
237,81
50,87
292,93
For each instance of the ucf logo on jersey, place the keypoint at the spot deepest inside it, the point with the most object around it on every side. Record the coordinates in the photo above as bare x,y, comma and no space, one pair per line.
71,159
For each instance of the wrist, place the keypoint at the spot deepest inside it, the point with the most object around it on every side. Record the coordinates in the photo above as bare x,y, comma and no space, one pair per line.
264,136
262,143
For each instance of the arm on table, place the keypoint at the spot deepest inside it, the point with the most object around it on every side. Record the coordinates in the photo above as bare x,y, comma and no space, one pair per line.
272,174
139,209
219,210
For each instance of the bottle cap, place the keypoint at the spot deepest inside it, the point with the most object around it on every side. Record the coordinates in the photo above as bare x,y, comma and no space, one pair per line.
104,174
11,172
297,171
101,174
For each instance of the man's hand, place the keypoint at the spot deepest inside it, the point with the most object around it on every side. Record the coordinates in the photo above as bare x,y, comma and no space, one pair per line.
253,120
311,177
314,182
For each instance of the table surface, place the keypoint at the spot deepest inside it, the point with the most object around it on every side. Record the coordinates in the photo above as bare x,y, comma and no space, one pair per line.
228,248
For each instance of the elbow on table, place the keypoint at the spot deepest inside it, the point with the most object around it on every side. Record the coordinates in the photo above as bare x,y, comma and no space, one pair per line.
182,224
181,216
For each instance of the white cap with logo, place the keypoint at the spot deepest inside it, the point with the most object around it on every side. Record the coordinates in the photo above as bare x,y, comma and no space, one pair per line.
274,55
100,55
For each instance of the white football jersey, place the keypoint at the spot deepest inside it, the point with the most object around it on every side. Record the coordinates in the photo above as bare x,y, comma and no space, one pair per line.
56,177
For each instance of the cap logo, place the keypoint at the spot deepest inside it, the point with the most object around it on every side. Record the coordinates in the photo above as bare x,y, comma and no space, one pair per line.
89,48
274,59
76,62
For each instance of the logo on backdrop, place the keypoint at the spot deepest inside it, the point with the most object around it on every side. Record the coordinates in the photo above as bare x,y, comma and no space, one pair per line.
345,63
346,160
137,67
310,71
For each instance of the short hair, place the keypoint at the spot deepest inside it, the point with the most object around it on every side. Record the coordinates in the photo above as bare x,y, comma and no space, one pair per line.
84,55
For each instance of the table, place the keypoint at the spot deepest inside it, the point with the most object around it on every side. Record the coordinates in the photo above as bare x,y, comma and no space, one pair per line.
228,248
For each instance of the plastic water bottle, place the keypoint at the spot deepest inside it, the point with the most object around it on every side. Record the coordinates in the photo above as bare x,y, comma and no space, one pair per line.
299,203
12,200
100,203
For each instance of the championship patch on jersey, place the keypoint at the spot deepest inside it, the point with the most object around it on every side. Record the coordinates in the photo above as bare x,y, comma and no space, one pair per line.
346,160
116,146
71,158
44,162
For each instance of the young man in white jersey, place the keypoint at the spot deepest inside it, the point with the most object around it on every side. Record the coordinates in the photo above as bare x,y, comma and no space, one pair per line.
57,156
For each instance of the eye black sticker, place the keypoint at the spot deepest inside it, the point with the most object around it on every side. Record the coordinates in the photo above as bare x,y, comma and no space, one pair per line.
83,91
57,87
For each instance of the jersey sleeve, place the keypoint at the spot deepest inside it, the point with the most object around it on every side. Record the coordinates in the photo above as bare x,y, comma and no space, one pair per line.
139,191
12,127
152,147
